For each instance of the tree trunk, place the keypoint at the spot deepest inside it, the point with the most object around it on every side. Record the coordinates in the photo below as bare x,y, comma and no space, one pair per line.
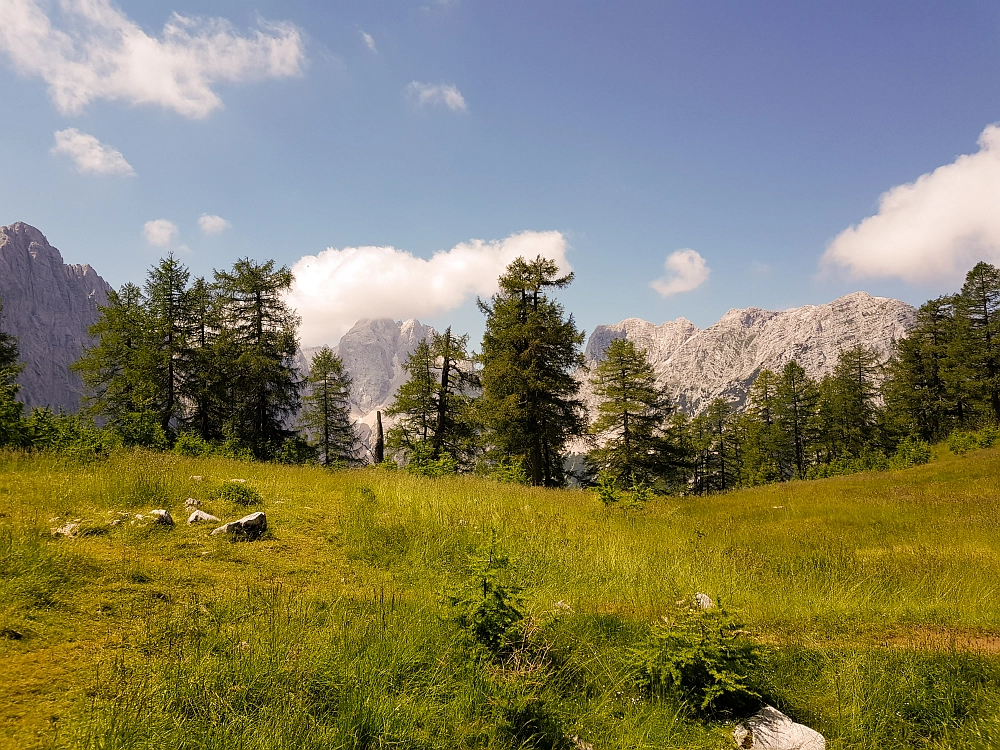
379,439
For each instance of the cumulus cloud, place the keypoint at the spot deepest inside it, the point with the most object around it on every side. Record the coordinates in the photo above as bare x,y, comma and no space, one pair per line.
338,287
431,94
159,232
369,41
211,224
89,154
90,50
685,270
934,228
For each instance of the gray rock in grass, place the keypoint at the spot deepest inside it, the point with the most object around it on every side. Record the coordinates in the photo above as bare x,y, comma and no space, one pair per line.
162,516
703,600
769,729
192,503
67,529
200,515
252,526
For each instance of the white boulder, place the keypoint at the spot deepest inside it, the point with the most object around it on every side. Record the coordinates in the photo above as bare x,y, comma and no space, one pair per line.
200,515
769,729
253,526
162,516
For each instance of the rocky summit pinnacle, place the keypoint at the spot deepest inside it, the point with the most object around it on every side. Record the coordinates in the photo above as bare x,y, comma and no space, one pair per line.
48,305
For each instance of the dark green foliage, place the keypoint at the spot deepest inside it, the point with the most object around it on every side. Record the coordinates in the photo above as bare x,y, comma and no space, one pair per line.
490,608
631,419
10,409
238,493
529,403
326,411
700,657
257,346
435,405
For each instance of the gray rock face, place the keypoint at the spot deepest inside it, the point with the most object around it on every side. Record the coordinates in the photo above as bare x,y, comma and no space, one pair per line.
697,366
200,515
373,352
252,526
162,516
769,729
49,306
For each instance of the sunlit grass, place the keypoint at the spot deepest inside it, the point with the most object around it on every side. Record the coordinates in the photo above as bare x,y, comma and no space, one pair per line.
874,598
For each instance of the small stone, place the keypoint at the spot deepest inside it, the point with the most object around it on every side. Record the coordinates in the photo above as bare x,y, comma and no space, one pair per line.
192,503
200,515
196,478
240,481
115,522
579,744
769,729
162,516
67,529
563,606
703,600
252,526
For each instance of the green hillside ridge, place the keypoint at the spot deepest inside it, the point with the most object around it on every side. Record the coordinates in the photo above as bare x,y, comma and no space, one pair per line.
872,600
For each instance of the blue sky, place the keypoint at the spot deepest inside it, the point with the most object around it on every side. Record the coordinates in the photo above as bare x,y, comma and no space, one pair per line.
754,134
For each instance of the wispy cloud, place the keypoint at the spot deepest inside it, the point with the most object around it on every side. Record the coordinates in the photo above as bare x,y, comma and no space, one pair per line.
211,224
369,41
685,270
90,155
91,50
338,287
430,94
159,232
932,229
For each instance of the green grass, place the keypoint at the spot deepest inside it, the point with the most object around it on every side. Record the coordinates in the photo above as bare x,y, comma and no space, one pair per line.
874,600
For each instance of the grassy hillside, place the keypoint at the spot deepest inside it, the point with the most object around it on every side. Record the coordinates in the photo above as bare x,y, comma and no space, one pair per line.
873,600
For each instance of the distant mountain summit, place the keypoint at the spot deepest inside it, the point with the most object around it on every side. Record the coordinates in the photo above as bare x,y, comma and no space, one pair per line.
723,360
49,306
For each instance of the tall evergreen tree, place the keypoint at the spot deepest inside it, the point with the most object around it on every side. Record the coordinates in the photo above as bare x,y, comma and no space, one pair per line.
853,392
258,345
326,412
10,408
796,415
454,427
530,350
165,301
415,404
631,417
202,388
716,442
762,438
978,314
120,370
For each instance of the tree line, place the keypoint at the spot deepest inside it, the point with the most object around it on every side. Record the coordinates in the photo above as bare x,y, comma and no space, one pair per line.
208,365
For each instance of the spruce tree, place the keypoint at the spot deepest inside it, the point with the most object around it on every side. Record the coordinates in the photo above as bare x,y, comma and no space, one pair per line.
415,405
854,398
257,349
978,341
164,301
796,415
762,438
10,408
326,412
202,388
530,350
631,418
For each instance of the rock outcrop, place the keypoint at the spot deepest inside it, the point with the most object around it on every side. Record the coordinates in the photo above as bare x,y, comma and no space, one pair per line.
769,729
697,366
49,306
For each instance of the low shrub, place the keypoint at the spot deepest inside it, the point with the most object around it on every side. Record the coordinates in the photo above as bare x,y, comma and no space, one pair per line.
238,493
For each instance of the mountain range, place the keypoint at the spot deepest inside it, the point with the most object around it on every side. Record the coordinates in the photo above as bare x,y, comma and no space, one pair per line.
49,305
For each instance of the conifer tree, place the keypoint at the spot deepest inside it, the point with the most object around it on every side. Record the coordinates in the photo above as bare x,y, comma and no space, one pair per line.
326,412
796,415
164,302
631,418
763,439
10,408
415,404
257,348
853,392
530,350
978,342
202,388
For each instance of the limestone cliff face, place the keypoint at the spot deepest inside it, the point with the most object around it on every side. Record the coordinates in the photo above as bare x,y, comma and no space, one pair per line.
373,352
698,366
49,306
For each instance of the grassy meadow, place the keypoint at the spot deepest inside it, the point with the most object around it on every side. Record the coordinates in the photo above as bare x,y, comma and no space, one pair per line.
873,599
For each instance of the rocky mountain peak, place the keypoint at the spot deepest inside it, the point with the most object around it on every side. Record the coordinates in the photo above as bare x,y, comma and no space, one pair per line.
48,305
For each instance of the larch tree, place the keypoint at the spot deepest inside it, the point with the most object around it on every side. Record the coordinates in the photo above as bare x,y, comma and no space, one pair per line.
326,412
531,348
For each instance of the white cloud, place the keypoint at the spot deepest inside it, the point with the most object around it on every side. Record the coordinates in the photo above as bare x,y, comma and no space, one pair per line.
159,232
932,229
90,50
89,154
686,270
369,41
436,94
338,287
211,224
